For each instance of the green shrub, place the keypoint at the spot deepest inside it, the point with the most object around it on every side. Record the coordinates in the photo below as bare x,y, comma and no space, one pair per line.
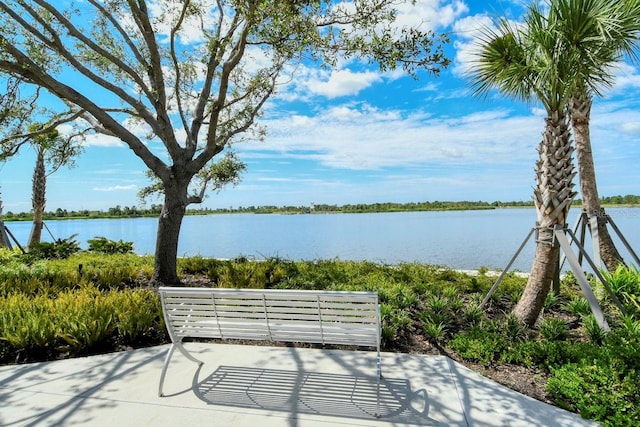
26,323
81,319
553,329
473,314
625,284
435,331
9,256
592,329
105,246
35,278
200,265
137,311
84,318
510,288
551,301
598,392
480,344
402,297
104,272
389,328
513,329
87,300
578,306
59,249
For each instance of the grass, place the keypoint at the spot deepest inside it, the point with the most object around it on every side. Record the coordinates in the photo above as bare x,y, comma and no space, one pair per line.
88,303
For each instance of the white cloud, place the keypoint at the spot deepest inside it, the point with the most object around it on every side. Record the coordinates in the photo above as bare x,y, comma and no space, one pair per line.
360,137
626,77
631,127
430,14
344,83
166,12
99,140
116,188
468,30
423,14
429,87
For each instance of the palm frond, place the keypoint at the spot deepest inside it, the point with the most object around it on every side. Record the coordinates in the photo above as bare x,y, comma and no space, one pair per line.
501,63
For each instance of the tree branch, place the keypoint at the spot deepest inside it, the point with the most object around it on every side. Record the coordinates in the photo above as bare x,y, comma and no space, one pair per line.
31,72
58,46
166,132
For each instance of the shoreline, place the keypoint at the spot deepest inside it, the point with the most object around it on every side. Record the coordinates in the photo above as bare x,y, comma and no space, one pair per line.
23,217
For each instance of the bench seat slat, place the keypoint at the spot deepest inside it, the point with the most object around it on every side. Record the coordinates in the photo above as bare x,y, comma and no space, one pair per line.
277,309
338,305
272,293
273,323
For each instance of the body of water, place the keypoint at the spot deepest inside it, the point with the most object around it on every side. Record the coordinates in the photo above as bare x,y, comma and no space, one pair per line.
457,239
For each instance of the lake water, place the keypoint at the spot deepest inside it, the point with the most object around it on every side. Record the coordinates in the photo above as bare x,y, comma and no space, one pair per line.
457,239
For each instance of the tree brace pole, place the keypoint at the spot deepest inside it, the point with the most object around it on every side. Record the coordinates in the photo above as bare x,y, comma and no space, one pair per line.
506,269
560,238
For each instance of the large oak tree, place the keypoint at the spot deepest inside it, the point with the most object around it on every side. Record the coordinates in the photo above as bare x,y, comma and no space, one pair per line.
193,75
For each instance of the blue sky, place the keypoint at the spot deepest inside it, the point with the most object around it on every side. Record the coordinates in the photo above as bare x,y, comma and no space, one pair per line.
356,135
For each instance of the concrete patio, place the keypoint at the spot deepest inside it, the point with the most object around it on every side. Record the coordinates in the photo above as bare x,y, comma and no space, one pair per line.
262,386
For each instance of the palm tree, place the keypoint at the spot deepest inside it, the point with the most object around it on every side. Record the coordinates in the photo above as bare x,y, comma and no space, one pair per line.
57,151
522,63
38,199
596,33
4,238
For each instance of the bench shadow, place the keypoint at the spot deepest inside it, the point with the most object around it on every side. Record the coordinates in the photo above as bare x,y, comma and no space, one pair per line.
314,393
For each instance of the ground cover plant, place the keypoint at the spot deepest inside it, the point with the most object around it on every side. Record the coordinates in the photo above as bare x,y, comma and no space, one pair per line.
90,302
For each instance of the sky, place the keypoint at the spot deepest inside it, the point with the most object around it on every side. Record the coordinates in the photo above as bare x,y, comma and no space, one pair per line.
357,135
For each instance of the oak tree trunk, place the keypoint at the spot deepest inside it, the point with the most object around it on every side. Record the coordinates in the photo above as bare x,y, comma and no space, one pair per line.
169,223
38,199
580,108
552,196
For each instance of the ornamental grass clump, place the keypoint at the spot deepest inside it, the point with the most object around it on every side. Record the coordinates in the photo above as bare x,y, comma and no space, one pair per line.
26,323
84,318
36,278
577,306
625,284
76,321
553,329
137,312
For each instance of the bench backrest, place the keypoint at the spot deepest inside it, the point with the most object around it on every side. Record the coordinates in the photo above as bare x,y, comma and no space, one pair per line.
325,317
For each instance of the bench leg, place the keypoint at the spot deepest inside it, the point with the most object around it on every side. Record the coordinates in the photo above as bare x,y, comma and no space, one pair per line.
167,359
379,374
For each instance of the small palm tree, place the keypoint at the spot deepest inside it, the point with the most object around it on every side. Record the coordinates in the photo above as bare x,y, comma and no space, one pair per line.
522,63
57,151
596,34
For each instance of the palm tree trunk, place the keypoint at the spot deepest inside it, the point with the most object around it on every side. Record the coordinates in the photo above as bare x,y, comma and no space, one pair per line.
38,198
580,109
4,238
552,196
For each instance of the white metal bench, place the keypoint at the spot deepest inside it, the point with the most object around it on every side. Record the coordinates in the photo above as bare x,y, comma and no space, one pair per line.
321,317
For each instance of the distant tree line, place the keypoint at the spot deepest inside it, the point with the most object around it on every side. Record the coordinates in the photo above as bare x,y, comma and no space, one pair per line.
155,209
114,212
629,199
